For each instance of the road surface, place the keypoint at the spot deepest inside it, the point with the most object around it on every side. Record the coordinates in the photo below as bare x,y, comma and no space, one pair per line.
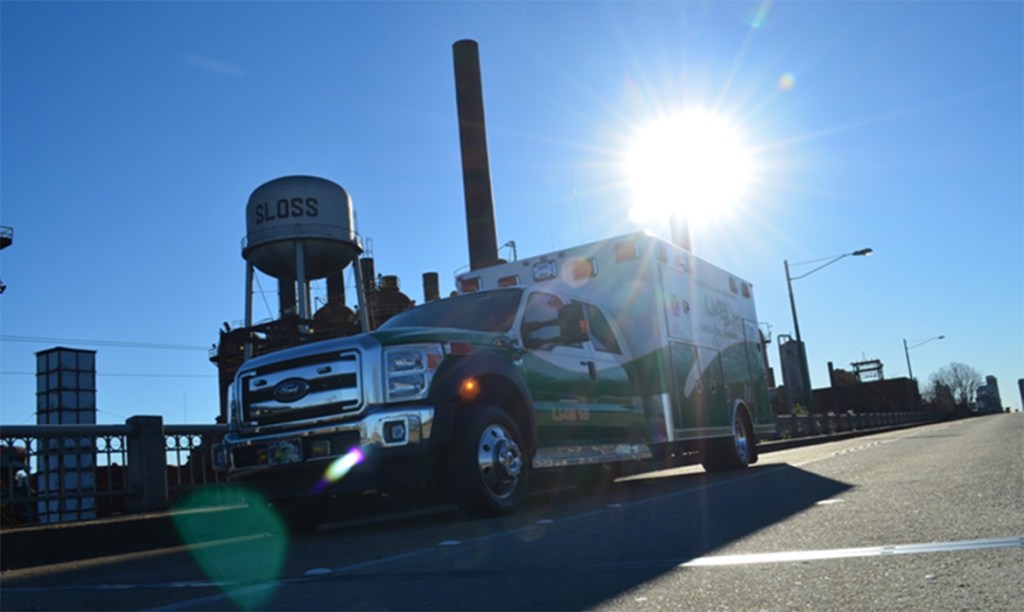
924,518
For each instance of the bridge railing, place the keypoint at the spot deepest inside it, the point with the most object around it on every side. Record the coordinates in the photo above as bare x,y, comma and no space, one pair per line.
59,473
797,426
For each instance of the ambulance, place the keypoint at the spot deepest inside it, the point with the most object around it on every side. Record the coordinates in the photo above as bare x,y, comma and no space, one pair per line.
628,352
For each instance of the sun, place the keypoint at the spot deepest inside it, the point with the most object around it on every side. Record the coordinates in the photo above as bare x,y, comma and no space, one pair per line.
693,163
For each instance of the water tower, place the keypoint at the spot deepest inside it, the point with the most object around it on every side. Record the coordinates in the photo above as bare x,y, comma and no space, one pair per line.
299,229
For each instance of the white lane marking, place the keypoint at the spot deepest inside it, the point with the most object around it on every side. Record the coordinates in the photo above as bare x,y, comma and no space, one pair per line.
710,561
848,553
449,543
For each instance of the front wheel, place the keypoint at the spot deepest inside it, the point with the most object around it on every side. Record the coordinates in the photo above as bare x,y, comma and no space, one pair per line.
490,463
733,453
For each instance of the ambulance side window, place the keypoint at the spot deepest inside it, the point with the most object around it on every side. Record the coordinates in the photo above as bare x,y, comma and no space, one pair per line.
601,334
540,321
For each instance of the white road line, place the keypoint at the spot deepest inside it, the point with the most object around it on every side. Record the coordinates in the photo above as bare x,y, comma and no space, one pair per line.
848,553
709,561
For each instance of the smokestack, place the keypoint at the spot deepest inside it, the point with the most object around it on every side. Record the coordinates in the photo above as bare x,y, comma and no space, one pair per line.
680,231
476,170
336,289
431,290
369,274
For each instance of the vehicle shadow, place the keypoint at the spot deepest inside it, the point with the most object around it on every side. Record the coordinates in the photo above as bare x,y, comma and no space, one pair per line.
577,547
572,547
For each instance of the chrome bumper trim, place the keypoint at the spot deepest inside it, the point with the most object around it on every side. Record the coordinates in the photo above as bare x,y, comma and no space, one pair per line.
418,421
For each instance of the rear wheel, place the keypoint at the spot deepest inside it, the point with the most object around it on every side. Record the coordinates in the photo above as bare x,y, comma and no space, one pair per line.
490,463
733,453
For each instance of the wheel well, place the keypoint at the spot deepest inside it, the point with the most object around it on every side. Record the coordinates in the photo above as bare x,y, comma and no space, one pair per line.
501,392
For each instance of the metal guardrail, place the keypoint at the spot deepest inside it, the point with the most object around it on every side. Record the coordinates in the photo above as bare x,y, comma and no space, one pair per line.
60,473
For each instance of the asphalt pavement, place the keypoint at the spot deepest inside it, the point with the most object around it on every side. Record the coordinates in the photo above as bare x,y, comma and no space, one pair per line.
924,518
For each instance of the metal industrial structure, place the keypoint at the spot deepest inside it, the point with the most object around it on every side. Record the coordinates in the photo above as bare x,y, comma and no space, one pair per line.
6,240
300,229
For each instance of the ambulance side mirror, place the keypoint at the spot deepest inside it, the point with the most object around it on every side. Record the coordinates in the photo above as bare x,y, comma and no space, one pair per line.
572,324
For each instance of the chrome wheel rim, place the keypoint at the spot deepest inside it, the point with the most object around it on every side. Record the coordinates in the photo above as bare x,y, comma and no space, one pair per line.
499,460
741,438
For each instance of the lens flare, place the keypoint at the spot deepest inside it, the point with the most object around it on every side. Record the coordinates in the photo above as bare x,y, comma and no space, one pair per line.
787,81
237,540
761,16
339,468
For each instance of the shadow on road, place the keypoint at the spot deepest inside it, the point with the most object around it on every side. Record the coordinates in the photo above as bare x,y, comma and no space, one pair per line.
573,547
594,545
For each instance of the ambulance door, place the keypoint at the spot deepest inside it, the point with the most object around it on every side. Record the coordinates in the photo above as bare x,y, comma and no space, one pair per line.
687,387
755,389
558,374
616,415
716,404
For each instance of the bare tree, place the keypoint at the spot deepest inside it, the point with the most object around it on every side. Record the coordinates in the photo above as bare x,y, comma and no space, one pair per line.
961,379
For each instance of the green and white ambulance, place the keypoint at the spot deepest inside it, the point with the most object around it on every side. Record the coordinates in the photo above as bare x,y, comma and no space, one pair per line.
628,350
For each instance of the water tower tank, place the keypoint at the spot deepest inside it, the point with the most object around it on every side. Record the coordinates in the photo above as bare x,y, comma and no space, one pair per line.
300,211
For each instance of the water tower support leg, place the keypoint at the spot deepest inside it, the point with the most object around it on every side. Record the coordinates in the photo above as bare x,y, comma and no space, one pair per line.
300,280
364,317
249,271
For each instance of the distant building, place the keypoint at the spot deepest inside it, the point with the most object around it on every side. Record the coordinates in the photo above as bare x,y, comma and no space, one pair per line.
1020,387
873,396
66,395
987,398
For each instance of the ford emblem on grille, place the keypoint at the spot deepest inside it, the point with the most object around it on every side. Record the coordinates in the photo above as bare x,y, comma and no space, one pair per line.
291,390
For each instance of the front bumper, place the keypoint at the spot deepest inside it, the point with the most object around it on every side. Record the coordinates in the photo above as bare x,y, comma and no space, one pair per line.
403,432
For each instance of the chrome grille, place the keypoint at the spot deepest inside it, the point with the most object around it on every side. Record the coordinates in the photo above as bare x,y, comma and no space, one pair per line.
330,382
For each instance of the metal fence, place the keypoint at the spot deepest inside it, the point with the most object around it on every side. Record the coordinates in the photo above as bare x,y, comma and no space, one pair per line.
59,473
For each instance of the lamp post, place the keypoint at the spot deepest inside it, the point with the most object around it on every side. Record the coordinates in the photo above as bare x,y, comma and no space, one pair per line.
906,350
805,374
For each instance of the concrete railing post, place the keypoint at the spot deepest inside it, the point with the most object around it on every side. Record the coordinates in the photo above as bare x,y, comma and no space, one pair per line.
147,464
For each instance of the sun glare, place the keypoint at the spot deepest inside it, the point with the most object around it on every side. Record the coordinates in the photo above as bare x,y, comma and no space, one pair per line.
693,164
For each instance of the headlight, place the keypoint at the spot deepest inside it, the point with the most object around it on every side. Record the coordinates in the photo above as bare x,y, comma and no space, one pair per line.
409,370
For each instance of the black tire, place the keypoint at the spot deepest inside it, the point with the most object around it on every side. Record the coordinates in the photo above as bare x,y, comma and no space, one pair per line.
489,463
736,452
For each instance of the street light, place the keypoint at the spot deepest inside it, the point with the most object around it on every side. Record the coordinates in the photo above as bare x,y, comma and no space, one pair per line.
917,343
805,373
789,279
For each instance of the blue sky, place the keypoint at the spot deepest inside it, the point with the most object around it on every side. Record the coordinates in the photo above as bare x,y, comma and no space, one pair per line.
133,134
